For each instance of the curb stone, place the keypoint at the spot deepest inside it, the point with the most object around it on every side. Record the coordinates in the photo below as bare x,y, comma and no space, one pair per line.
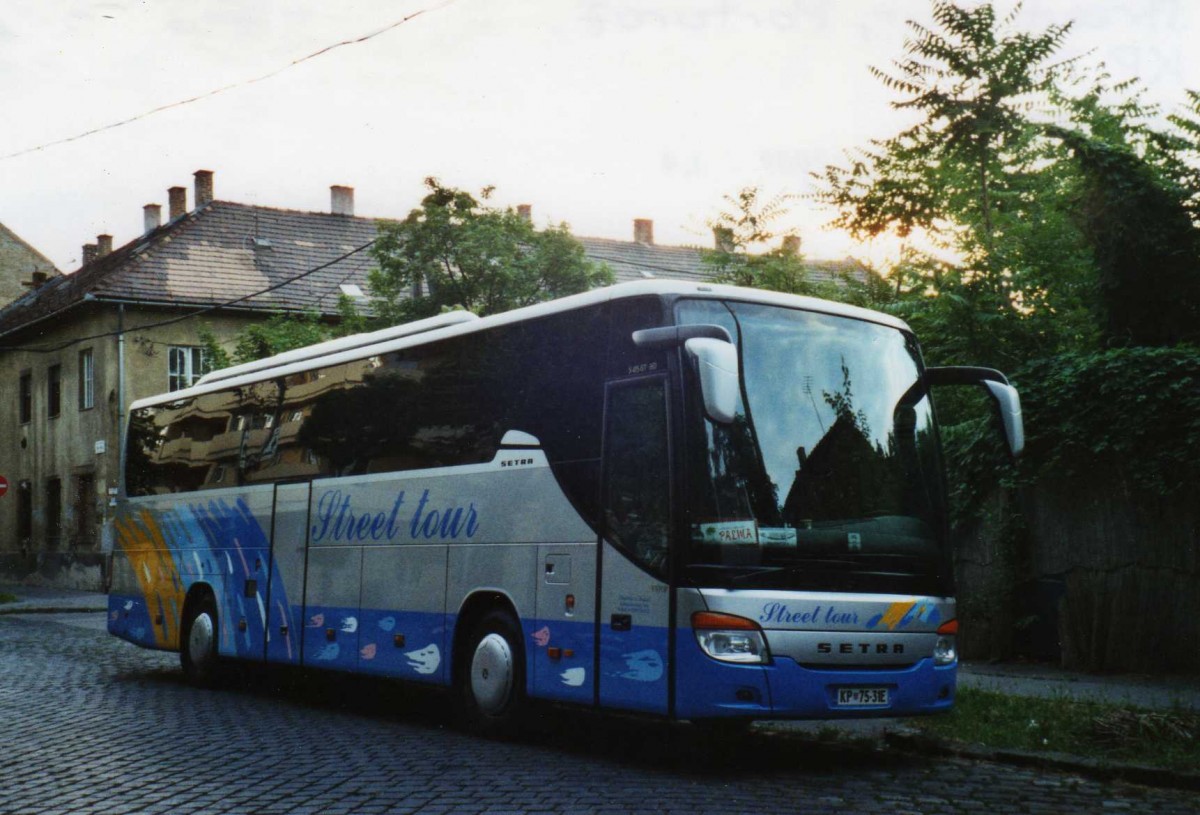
1092,768
15,608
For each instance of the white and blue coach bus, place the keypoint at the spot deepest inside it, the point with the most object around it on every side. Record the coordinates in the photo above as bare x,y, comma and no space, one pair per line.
695,501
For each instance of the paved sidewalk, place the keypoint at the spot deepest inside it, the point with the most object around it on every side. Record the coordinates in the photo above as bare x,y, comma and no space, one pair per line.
1050,682
44,599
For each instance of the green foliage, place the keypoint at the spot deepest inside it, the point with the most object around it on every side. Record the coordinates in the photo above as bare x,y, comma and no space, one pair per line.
745,226
1133,411
454,251
1100,730
282,331
1127,413
1144,242
975,176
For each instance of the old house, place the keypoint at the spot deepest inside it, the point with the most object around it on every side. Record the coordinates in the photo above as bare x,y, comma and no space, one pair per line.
79,348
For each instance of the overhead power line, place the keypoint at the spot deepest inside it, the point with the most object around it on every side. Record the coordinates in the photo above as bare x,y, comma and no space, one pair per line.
235,85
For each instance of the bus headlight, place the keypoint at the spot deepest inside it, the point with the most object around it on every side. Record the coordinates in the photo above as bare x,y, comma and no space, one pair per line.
730,639
944,650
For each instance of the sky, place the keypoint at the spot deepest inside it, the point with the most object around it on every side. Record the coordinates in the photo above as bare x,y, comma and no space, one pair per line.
595,113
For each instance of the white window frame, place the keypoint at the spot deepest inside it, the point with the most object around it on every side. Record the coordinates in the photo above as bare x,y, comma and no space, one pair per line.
87,379
185,365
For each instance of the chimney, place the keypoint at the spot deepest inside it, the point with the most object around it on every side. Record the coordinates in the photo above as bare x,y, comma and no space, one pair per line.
341,200
151,217
791,244
723,239
525,211
204,187
103,245
177,201
643,231
89,253
37,280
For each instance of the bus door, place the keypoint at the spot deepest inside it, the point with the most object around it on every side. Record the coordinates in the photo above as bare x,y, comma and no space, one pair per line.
332,589
285,591
634,609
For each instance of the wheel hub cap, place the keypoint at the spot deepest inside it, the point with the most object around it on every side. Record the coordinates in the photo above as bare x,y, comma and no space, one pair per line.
492,673
200,638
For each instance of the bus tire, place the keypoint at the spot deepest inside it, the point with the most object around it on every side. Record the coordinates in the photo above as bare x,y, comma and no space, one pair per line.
198,642
491,678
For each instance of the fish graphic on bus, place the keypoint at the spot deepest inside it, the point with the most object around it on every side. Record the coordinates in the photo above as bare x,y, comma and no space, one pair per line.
426,660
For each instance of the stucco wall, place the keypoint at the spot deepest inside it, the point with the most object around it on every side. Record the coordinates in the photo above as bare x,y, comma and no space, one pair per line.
18,262
78,443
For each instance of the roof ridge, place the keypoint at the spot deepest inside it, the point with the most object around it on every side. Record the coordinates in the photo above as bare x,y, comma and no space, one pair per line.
288,211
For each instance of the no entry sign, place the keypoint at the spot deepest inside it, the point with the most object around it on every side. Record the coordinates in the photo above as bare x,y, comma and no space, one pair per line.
3,486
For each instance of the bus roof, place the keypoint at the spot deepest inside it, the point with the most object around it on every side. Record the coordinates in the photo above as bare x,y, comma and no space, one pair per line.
457,323
324,349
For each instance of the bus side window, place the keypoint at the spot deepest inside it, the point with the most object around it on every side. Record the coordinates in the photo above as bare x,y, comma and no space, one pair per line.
637,487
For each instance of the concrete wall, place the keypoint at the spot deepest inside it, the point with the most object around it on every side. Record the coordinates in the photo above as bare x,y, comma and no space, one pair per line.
1091,574
79,447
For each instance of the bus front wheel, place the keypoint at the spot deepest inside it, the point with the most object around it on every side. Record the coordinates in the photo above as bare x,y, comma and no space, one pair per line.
198,645
491,682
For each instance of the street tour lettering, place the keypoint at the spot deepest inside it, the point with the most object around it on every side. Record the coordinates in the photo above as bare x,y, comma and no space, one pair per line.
337,519
781,613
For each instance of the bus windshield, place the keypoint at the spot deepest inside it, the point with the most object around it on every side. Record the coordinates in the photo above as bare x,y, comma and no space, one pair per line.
828,478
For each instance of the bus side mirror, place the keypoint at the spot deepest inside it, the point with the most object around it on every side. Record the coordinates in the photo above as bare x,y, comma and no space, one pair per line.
720,386
1008,404
1004,397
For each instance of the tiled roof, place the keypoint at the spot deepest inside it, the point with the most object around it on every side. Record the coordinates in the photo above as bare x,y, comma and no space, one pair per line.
224,250
214,254
636,261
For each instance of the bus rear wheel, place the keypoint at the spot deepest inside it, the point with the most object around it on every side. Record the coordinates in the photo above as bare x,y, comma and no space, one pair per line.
491,679
198,643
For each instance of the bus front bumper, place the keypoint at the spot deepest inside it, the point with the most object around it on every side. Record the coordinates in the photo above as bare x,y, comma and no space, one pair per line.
784,689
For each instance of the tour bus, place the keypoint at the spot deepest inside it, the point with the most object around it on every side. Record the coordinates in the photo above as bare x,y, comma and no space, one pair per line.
696,501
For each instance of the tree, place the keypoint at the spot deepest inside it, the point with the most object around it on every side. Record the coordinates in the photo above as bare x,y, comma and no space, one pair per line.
1146,247
971,175
282,331
455,251
745,225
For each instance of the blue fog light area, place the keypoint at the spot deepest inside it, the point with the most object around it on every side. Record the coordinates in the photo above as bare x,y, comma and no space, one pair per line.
708,688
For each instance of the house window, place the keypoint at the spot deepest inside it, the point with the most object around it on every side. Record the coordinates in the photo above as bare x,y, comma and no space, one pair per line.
84,500
186,363
26,405
24,515
53,513
54,391
87,380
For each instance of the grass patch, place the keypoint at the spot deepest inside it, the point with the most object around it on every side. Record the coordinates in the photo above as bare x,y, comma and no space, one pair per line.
7,598
1167,739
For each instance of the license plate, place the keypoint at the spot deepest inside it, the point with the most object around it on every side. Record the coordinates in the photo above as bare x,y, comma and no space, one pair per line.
862,697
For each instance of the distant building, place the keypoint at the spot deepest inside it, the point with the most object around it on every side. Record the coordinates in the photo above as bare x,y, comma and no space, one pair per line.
21,266
77,349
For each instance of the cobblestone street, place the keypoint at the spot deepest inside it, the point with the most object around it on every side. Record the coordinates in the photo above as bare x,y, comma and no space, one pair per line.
94,725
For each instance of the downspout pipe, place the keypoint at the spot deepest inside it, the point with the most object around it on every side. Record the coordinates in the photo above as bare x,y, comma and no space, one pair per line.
121,398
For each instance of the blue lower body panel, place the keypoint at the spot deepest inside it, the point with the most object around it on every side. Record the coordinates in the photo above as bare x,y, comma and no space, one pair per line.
706,688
